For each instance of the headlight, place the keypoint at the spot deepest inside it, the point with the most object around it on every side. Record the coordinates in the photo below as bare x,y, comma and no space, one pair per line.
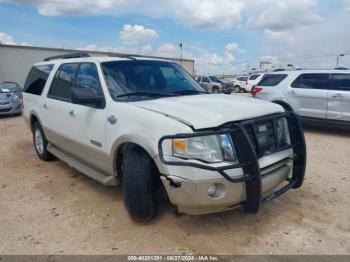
15,98
210,149
283,137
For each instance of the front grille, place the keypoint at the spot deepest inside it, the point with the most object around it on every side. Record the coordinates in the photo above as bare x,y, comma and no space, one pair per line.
4,103
267,136
5,110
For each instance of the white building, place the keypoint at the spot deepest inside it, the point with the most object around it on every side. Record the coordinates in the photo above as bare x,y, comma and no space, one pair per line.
16,61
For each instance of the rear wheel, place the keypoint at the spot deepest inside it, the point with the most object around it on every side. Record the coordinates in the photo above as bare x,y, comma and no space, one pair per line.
237,89
40,143
140,182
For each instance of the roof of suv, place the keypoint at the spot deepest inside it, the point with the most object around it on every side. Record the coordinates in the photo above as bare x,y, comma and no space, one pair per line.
310,71
98,60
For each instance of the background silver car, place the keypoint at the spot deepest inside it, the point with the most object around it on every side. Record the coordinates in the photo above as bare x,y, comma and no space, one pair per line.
10,98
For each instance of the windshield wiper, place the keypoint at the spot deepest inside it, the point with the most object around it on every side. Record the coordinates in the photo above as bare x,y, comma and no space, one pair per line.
150,94
189,92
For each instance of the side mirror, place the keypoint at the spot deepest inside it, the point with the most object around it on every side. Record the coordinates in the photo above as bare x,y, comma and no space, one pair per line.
87,97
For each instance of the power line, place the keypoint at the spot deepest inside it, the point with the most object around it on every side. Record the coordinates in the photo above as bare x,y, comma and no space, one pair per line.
280,59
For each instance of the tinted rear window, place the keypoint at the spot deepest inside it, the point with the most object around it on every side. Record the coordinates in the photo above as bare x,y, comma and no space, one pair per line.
341,82
37,78
272,79
311,81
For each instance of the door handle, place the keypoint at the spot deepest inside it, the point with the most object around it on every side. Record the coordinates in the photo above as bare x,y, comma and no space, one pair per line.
338,96
72,113
293,92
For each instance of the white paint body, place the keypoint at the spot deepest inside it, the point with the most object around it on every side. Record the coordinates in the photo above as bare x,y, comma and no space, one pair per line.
323,104
144,123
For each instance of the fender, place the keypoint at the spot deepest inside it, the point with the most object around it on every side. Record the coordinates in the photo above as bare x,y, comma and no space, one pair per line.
139,141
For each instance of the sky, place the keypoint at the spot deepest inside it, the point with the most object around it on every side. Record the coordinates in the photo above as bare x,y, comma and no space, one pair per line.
223,36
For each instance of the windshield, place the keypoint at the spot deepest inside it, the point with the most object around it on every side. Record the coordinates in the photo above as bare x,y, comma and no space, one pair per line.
215,79
148,79
9,87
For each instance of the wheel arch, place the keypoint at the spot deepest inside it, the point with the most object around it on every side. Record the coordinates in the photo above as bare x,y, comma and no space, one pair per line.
33,117
284,104
122,144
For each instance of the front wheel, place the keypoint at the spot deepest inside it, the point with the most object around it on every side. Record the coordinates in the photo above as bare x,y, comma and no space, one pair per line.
41,143
215,90
140,183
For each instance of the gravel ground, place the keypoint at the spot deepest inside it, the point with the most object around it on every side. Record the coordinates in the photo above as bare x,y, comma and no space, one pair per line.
49,208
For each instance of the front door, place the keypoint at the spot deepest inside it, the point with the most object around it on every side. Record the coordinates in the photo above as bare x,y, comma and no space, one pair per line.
339,98
88,123
308,95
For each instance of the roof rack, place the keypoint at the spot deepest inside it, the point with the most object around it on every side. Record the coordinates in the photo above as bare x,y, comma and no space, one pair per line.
132,57
68,56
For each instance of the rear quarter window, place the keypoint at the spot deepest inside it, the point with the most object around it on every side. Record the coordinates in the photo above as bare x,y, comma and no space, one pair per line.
272,79
36,79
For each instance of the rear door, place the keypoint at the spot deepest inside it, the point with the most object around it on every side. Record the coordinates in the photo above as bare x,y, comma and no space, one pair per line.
308,95
339,97
58,105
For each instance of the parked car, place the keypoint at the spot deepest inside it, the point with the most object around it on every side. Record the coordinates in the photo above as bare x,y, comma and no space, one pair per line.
252,80
316,95
10,98
148,124
239,84
212,83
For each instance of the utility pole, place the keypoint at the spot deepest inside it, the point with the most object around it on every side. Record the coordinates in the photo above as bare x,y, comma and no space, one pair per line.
181,46
338,58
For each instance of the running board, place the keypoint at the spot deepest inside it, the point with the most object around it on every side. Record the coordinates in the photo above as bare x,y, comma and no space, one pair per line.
83,168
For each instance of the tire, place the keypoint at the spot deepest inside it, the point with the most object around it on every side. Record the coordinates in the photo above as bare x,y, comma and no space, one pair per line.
40,143
140,183
237,89
215,90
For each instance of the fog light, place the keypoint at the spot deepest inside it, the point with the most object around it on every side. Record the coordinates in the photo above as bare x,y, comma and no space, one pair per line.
216,190
212,190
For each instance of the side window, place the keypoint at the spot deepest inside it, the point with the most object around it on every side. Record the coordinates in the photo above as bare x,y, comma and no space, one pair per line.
63,82
272,80
253,77
341,82
311,81
87,77
36,79
205,79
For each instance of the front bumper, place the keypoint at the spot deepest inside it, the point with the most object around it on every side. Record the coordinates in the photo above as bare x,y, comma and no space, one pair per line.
249,189
10,109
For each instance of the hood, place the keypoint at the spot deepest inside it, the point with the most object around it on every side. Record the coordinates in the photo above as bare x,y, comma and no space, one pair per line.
206,111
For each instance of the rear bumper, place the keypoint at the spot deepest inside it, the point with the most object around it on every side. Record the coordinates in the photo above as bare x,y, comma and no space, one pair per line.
252,186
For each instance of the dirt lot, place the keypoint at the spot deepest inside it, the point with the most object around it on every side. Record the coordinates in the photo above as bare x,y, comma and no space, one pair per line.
49,208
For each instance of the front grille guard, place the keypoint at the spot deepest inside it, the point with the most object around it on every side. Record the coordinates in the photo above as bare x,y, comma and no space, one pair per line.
248,158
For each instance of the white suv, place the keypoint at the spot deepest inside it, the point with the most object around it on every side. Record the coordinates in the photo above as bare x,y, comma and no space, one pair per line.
147,124
316,95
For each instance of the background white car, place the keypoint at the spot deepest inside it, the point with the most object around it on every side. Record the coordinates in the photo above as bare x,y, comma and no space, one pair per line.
316,95
252,80
212,83
239,83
